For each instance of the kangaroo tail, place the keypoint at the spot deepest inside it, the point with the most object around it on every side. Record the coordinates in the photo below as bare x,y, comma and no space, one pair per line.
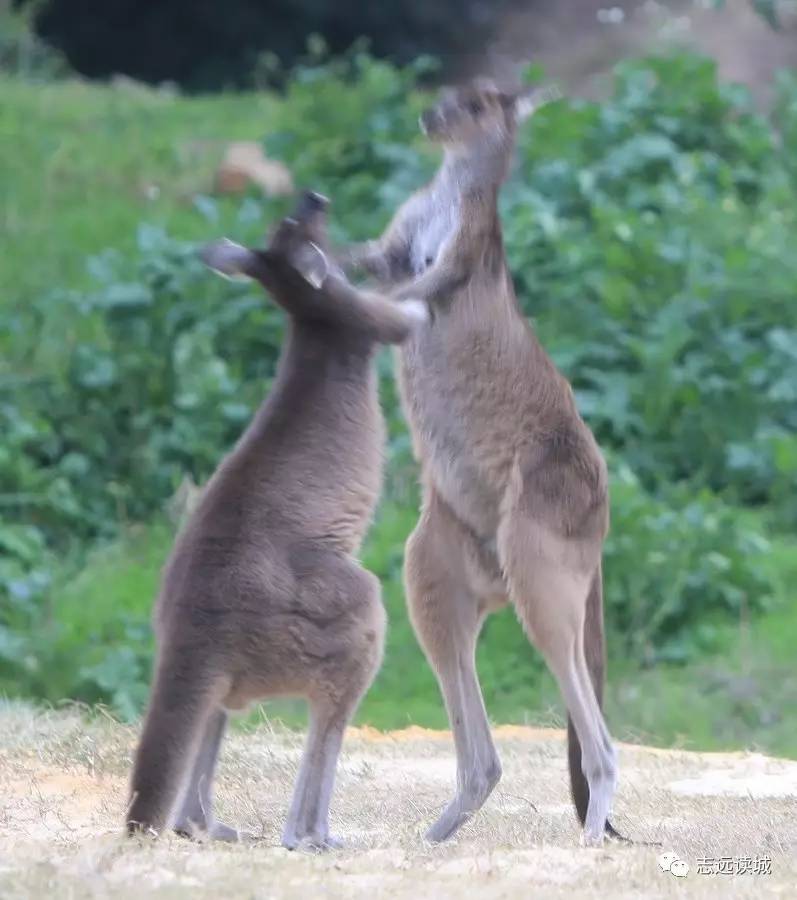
178,710
595,653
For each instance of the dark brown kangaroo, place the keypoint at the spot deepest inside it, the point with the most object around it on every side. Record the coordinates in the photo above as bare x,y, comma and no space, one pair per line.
515,503
262,594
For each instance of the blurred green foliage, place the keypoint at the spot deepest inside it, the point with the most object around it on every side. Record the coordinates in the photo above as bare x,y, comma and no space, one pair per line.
22,52
654,244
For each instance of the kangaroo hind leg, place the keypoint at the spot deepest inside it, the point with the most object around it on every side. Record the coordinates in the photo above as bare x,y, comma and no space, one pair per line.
196,817
550,594
338,658
447,616
307,823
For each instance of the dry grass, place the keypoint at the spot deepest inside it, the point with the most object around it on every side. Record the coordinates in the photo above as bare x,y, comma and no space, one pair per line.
62,783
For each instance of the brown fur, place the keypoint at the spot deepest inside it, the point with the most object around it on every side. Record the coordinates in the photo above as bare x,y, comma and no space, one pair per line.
262,594
515,502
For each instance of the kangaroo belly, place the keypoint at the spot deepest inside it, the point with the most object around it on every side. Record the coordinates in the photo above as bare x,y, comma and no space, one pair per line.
458,480
447,430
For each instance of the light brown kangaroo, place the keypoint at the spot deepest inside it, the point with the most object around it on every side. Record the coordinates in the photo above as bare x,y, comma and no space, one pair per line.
515,504
262,594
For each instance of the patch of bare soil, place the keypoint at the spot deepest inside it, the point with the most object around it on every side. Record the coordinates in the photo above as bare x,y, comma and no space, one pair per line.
62,796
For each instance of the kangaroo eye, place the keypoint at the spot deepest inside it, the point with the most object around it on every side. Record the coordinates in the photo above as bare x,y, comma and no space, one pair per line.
474,107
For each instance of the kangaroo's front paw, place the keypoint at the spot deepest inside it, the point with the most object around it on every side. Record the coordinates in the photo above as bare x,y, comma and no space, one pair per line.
416,311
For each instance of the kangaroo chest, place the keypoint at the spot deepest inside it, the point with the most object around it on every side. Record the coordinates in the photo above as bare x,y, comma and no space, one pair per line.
429,239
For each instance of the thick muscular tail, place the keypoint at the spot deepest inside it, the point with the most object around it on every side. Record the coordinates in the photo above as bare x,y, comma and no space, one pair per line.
595,653
178,710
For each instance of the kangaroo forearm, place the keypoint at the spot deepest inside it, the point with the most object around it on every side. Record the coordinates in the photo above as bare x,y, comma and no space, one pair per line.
367,256
388,263
386,319
387,322
435,284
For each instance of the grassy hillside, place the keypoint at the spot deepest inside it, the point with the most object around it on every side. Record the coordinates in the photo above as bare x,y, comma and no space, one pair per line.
82,165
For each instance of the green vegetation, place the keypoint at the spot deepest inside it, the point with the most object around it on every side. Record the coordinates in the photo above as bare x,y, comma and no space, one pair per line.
82,165
653,238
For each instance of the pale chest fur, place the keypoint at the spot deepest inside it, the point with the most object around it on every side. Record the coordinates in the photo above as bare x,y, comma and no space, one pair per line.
438,222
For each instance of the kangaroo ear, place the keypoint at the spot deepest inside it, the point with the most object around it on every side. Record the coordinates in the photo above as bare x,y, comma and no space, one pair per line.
312,264
230,260
301,237
530,99
292,245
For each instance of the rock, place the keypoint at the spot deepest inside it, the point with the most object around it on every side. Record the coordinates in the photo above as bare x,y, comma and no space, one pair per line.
244,163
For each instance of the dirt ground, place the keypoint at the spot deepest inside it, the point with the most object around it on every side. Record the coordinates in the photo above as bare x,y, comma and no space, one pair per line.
62,795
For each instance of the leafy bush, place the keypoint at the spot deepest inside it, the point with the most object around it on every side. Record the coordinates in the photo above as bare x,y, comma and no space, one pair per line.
675,566
652,238
169,381
88,637
363,146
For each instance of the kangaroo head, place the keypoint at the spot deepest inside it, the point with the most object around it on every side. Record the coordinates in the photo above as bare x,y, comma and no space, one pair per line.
467,115
302,239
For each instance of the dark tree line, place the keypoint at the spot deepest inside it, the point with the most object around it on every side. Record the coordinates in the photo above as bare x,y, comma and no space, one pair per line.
212,44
